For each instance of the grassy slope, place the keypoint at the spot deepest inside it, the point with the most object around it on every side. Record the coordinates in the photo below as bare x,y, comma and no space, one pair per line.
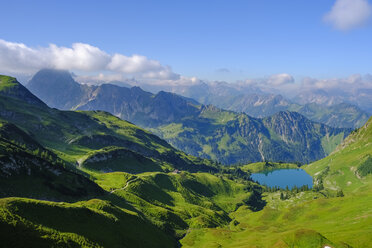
176,202
340,220
113,158
340,169
308,219
7,83
93,223
37,173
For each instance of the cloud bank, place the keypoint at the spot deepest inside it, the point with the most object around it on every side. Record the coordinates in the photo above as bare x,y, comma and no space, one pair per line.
348,14
19,58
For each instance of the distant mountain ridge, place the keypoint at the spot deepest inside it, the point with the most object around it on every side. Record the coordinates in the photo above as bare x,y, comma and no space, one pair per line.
325,107
200,130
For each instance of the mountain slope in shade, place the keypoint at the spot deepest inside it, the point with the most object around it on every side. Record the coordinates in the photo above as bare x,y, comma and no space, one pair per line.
29,170
56,88
93,223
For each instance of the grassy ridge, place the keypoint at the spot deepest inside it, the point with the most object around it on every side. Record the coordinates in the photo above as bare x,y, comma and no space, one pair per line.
93,223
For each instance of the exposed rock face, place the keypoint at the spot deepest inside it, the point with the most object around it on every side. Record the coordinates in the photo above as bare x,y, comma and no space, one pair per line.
134,104
258,105
56,88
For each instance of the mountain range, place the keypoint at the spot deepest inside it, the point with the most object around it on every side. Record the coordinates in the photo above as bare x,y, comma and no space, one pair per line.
317,105
207,131
90,179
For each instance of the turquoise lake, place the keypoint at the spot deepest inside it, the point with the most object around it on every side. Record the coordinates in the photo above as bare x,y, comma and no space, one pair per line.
283,178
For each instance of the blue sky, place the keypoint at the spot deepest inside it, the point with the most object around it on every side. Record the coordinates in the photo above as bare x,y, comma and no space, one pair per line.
213,40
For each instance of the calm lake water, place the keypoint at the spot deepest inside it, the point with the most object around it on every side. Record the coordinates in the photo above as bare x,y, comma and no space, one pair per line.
283,178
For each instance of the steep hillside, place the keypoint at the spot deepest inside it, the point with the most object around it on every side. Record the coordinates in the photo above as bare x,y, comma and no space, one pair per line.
29,170
10,87
72,134
349,167
94,223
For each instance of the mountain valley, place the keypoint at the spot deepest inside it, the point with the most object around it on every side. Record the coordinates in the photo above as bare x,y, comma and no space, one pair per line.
86,178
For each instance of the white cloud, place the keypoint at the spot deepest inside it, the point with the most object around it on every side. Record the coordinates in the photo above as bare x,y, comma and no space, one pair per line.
19,58
280,79
273,81
353,82
82,57
348,14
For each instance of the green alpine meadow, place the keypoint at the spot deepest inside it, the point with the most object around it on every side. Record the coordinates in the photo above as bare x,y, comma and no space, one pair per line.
90,179
193,124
